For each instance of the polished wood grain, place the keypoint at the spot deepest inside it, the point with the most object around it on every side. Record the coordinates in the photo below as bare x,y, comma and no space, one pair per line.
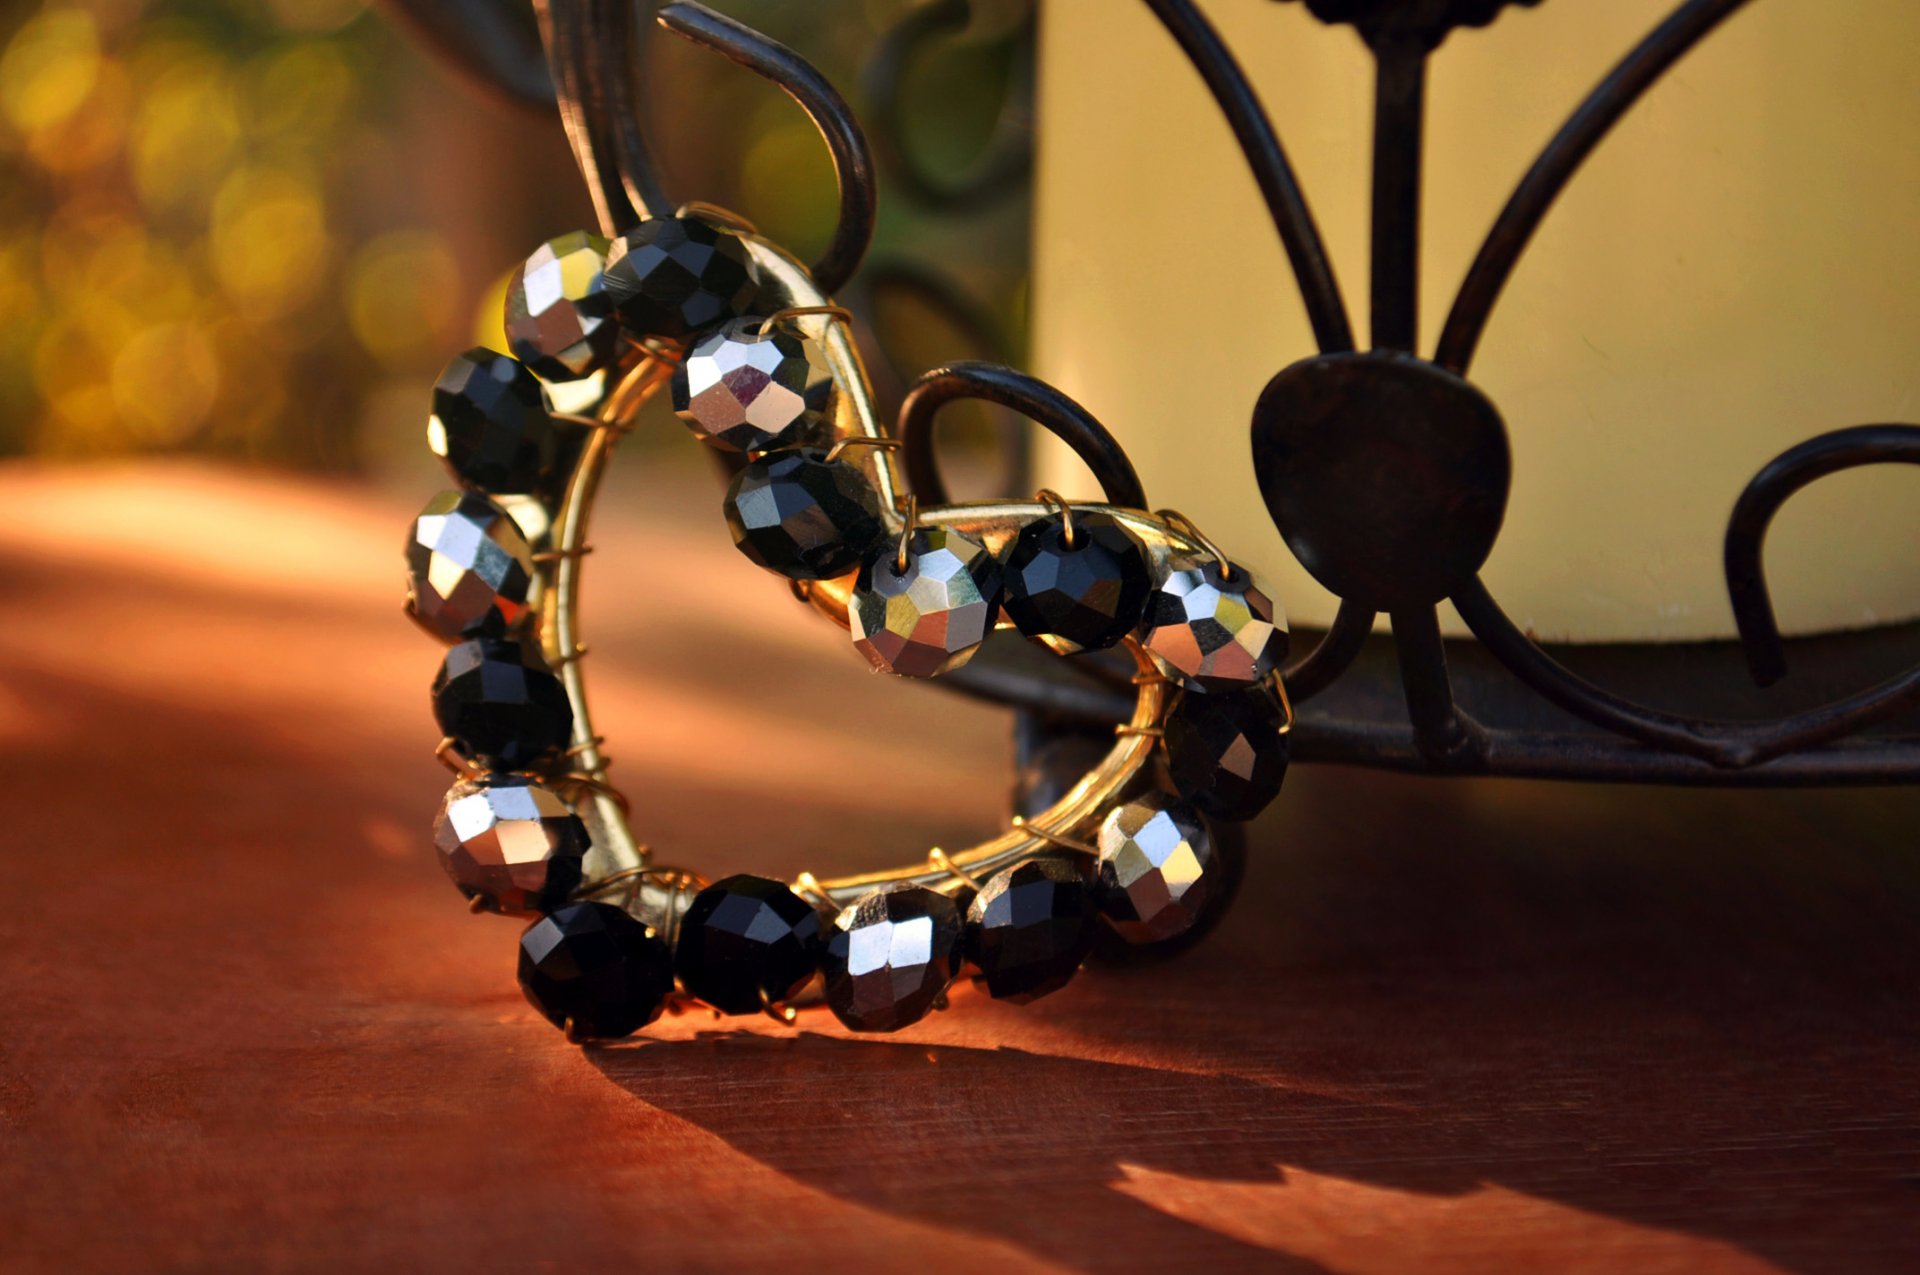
1451,1026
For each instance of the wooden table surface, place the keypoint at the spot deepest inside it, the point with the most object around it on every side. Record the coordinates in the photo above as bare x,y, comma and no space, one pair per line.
1451,1026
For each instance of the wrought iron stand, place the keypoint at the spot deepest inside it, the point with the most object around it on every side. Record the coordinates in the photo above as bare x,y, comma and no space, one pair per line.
1396,543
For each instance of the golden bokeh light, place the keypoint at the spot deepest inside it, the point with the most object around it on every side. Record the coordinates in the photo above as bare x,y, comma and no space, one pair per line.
165,379
402,295
199,216
300,94
49,69
186,129
268,243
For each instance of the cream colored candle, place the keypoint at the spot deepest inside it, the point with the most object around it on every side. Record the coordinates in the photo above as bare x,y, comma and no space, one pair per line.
1736,269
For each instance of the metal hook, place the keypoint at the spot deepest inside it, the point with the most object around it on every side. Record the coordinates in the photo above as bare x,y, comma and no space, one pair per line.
838,313
860,440
718,214
807,883
1753,512
1022,824
447,753
908,525
1173,517
1048,496
792,75
942,862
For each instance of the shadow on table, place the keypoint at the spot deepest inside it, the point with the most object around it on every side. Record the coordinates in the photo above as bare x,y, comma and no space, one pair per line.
1667,1011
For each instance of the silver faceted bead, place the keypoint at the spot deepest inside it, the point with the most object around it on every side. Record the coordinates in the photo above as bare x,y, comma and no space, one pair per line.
890,955
1214,630
1157,867
746,392
932,617
511,843
560,320
469,569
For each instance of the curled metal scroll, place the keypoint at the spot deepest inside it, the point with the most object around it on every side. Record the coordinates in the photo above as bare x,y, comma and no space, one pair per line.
794,76
1446,737
1786,474
1040,402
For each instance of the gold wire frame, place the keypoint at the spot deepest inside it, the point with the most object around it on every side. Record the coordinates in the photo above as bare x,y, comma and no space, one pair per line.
621,866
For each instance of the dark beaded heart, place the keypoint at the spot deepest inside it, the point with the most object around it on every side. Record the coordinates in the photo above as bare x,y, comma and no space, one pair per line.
1029,929
510,842
673,276
559,317
1083,596
747,942
595,965
490,424
499,702
890,956
1226,753
469,568
804,516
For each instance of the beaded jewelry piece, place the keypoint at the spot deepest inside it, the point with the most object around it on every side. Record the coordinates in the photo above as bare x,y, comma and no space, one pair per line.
759,365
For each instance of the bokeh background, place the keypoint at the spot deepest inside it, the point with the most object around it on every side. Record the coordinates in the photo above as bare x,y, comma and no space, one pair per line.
257,230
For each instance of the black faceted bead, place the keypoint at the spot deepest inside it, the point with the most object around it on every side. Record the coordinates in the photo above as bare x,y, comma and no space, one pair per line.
1083,596
491,425
595,965
747,941
1226,753
500,703
1029,929
804,516
890,956
673,276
